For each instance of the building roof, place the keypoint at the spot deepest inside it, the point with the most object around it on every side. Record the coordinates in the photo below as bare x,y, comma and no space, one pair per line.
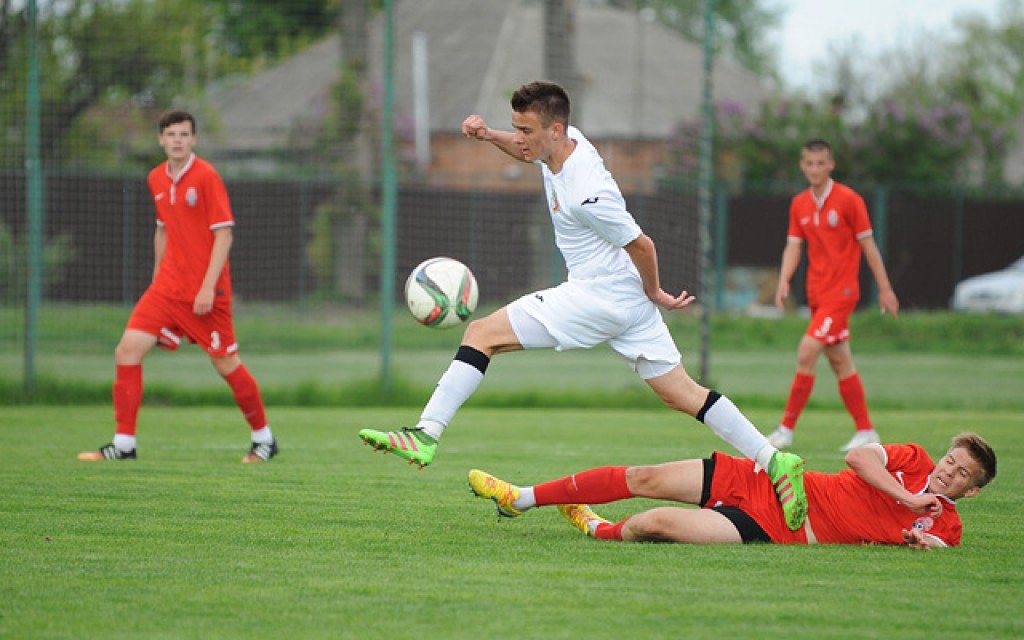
640,79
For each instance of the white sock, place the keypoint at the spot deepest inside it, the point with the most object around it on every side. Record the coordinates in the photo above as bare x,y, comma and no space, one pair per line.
124,442
526,500
262,436
732,426
453,389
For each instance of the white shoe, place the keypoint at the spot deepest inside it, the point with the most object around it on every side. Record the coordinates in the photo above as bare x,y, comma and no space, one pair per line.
781,438
860,439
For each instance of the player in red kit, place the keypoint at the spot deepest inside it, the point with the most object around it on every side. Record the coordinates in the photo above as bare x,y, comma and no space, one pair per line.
890,494
832,221
190,294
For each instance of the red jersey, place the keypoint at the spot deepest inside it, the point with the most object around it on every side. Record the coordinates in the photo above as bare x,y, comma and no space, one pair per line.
831,228
842,508
190,207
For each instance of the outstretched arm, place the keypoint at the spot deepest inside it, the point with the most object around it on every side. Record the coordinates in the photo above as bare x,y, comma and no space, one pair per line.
475,127
645,256
886,296
868,463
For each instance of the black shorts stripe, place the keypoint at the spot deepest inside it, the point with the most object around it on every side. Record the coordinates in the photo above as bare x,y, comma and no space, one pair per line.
747,527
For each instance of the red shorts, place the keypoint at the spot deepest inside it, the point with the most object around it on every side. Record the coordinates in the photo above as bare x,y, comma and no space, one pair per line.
830,322
167,318
735,484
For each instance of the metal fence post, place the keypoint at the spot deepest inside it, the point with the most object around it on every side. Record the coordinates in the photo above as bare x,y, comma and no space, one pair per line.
880,211
34,205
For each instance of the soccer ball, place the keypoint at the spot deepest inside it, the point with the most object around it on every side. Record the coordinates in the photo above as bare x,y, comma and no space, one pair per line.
441,293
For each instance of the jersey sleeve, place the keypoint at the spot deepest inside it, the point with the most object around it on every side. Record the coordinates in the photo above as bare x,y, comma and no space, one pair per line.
602,208
218,209
860,221
907,458
795,232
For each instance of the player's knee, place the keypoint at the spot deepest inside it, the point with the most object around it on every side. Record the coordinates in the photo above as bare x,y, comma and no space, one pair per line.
482,335
651,525
126,353
643,481
225,365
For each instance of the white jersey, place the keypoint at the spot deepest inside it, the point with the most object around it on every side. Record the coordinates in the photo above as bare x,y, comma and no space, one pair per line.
591,223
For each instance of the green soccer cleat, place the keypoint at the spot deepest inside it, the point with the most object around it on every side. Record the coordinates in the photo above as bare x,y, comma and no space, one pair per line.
502,493
409,443
581,516
786,471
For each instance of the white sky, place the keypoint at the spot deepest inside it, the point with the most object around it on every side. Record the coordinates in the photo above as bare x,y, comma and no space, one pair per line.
809,25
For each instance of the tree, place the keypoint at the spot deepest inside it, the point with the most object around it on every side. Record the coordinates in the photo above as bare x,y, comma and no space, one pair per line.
928,112
742,27
107,65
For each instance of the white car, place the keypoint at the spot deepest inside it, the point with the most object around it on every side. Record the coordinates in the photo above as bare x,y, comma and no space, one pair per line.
1001,291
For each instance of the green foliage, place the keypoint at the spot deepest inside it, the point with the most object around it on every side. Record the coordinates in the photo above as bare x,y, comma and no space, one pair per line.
108,67
741,27
945,111
185,542
58,252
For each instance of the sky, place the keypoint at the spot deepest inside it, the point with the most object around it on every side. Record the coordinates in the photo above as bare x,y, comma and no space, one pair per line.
809,25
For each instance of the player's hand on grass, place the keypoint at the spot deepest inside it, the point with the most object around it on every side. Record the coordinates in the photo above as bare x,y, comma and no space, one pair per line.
888,303
475,127
668,301
915,539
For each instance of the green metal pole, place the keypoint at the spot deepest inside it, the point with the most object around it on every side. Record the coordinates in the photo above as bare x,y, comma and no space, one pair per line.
704,196
388,189
721,244
34,202
880,213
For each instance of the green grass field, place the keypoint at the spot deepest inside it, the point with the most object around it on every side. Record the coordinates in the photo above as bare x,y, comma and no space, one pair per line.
332,541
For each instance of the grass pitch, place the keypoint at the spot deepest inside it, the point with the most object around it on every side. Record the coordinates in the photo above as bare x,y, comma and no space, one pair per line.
332,541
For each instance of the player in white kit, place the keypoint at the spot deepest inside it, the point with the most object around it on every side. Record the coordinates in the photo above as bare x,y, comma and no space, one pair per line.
612,295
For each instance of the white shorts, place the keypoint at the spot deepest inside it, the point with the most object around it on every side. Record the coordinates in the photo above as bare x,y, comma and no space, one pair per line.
571,316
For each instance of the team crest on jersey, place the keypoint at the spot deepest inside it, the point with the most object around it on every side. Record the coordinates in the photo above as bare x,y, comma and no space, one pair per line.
924,523
555,207
191,196
833,218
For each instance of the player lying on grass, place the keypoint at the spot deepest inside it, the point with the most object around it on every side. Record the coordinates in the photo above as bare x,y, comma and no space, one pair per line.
891,494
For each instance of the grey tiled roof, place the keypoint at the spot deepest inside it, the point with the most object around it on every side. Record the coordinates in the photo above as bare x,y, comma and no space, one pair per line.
640,78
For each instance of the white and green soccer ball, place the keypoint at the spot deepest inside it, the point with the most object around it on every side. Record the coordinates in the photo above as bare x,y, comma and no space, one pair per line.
441,293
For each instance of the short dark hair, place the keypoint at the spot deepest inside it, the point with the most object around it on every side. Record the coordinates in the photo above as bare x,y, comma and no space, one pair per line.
547,99
982,453
818,144
174,116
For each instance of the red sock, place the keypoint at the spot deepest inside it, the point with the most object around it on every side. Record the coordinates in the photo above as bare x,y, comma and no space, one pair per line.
851,389
596,486
247,395
127,394
798,395
609,531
